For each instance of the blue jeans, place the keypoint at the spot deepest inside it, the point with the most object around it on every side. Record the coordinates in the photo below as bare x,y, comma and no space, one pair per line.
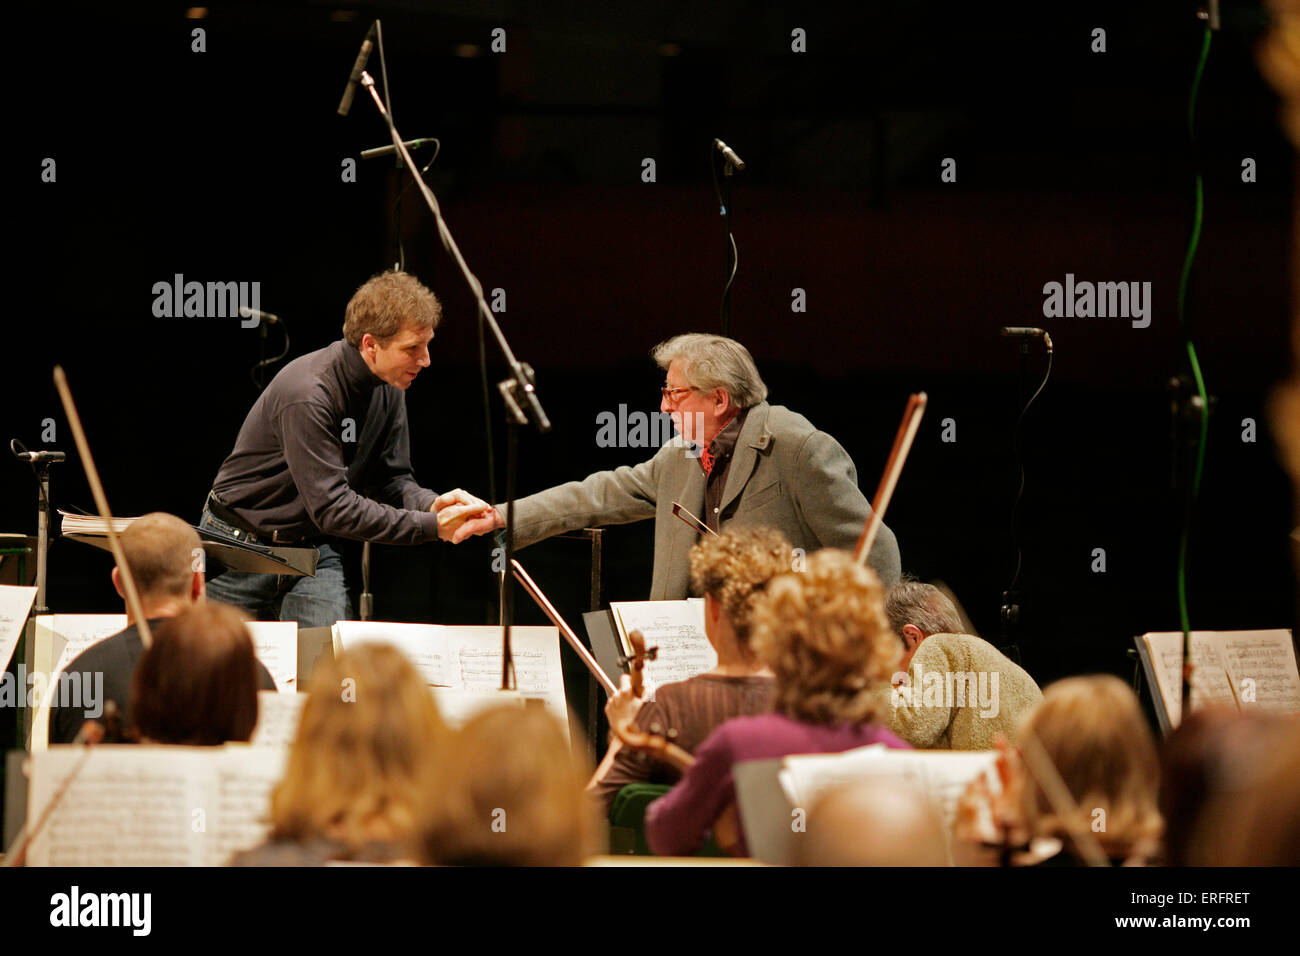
312,602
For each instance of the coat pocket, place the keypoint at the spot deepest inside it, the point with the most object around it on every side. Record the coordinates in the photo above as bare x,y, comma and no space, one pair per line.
752,500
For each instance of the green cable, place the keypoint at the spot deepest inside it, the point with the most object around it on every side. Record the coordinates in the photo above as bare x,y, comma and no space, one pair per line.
1192,245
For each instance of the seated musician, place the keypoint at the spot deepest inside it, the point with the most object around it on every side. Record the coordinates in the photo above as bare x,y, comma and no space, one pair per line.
366,756
160,550
197,683
1092,731
739,461
730,570
824,633
873,822
960,691
510,795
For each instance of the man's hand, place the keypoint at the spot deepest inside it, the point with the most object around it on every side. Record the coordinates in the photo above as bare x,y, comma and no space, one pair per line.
459,514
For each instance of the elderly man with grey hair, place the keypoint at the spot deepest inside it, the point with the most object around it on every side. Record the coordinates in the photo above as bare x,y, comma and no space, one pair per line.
955,691
736,462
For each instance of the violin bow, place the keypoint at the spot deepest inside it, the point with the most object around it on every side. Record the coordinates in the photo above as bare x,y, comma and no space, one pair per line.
897,458
101,502
698,526
549,610
1048,778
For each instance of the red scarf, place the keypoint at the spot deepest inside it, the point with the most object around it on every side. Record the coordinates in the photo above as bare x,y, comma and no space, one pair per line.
707,458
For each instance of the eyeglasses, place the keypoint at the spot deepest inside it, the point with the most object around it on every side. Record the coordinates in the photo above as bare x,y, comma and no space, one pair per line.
670,394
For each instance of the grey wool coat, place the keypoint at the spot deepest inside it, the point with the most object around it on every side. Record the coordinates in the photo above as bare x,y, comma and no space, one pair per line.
785,474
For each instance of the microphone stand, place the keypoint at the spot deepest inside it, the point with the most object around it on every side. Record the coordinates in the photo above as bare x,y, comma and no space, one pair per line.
41,469
517,391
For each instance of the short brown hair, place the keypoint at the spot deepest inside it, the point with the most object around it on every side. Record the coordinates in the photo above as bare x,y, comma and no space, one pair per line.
197,682
366,754
386,303
734,568
513,795
1093,730
824,633
159,549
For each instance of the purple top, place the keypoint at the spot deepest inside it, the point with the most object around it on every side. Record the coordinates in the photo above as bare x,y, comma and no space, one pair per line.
677,823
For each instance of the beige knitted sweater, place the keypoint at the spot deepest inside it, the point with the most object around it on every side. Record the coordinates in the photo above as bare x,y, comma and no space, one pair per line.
961,692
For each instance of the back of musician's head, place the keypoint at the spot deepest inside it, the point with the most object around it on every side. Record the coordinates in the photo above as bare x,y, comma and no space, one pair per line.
824,633
712,361
734,568
1259,824
366,754
1218,795
1093,731
160,549
197,683
512,795
386,303
923,606
873,822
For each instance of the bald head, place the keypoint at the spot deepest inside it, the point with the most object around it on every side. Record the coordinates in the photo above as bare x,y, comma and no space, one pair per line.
161,550
873,823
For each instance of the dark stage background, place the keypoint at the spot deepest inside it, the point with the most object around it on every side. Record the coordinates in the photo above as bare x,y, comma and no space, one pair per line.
225,165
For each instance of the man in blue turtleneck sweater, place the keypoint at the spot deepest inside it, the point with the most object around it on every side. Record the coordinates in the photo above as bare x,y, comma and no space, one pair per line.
325,453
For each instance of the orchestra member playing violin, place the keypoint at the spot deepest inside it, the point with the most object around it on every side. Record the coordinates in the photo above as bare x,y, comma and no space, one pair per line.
824,634
731,570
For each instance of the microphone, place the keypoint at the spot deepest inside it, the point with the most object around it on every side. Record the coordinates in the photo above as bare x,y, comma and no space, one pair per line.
1020,331
40,457
247,313
390,149
357,68
729,154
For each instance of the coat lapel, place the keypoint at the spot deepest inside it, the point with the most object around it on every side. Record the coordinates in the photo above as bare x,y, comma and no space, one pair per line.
754,437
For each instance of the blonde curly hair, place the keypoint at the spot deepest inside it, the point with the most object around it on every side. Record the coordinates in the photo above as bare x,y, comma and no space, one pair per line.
735,567
824,633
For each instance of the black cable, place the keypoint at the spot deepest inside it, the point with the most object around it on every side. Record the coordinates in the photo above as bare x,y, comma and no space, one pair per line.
725,212
253,373
1015,441
487,410
397,206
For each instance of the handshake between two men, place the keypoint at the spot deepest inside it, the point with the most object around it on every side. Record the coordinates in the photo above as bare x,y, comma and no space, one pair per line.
461,516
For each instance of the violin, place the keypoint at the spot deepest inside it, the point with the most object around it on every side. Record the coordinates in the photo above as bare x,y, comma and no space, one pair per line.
726,829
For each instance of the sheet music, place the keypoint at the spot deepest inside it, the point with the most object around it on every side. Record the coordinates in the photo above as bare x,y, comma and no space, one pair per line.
942,775
458,706
242,799
91,524
277,718
468,657
15,606
677,629
150,806
1267,660
73,633
1211,683
424,644
276,646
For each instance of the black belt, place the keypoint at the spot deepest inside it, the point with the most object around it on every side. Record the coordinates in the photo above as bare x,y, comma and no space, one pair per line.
253,537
